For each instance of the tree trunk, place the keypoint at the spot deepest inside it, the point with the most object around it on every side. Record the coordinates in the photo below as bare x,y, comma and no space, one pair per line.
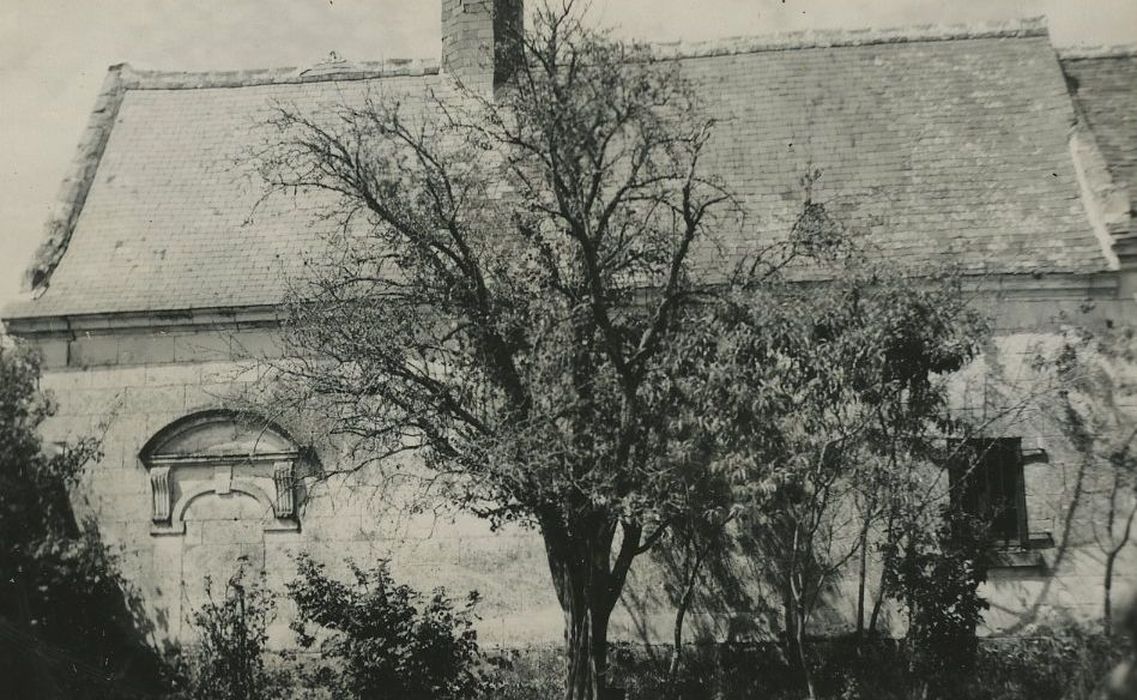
886,562
587,590
877,604
677,642
863,575
1107,604
587,648
1111,559
694,566
795,640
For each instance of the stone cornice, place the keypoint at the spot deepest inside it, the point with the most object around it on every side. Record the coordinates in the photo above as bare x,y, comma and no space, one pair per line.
1021,287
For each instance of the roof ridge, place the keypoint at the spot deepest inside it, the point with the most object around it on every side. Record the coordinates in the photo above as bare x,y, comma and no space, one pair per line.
142,79
839,38
148,79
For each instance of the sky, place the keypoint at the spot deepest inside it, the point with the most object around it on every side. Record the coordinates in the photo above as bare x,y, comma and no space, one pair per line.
54,55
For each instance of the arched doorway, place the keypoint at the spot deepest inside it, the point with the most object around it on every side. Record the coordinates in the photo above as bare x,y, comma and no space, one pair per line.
220,482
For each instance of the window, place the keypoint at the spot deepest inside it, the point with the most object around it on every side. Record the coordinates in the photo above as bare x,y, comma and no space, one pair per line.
987,482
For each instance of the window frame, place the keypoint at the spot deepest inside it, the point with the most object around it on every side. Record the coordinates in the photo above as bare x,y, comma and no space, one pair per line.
978,457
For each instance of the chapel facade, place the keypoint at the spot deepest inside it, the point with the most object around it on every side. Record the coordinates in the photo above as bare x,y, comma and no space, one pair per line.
154,298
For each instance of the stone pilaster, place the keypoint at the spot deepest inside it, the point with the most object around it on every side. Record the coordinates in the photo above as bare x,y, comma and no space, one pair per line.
160,494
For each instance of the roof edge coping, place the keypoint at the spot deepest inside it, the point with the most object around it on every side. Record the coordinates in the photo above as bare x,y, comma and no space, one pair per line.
839,38
1075,53
72,193
137,79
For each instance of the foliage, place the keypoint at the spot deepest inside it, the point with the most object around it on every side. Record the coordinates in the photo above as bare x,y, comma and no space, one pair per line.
502,293
383,638
228,661
846,398
522,674
1065,662
1098,372
531,293
938,577
66,626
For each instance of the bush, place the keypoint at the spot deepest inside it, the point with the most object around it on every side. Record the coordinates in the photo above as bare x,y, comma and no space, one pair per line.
385,640
68,627
1066,662
937,576
229,661
525,674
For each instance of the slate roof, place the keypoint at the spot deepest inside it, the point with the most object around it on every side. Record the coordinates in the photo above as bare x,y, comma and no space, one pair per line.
936,145
1104,83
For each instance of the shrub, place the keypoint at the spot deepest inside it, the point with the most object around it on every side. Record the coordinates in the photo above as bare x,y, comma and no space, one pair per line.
1063,662
937,576
525,674
385,639
229,661
1066,662
68,624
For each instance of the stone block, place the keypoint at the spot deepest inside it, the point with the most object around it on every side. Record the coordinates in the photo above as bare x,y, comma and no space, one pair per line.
122,483
172,375
159,420
204,346
232,531
147,400
54,352
123,507
100,403
193,533
256,344
108,377
93,351
341,528
146,348
200,398
227,372
66,379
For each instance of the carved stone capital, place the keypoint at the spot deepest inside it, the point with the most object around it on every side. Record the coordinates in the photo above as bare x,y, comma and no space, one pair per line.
160,497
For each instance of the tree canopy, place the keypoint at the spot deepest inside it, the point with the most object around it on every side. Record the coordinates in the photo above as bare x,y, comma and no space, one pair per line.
529,292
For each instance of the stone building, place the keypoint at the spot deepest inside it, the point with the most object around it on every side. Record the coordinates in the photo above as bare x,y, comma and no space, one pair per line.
154,295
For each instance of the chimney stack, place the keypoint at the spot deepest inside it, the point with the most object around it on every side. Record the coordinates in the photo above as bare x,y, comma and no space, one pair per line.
480,41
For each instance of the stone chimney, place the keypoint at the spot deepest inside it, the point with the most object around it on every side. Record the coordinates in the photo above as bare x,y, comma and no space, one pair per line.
480,46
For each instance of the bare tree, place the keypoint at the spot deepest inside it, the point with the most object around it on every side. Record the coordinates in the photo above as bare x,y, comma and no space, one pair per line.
1099,373
528,292
507,293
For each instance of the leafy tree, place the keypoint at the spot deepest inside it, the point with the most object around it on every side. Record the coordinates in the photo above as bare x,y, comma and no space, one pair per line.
844,388
66,628
528,292
502,296
384,639
937,577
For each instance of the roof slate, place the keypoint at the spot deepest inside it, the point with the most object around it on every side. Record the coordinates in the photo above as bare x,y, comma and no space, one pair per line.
1105,86
947,149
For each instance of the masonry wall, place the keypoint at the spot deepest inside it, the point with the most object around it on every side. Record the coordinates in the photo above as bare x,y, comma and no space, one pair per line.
125,387
136,385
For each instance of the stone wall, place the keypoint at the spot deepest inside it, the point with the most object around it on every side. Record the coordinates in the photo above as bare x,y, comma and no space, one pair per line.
126,387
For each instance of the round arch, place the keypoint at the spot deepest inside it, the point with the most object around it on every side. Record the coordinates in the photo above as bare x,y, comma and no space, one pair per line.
220,452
